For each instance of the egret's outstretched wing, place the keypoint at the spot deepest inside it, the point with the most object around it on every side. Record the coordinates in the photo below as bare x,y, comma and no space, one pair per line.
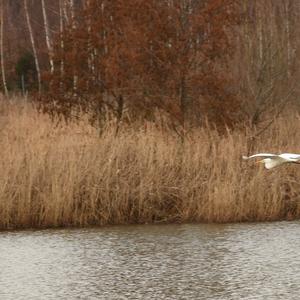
273,160
261,155
291,156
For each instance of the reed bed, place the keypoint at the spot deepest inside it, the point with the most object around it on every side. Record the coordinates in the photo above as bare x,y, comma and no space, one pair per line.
66,175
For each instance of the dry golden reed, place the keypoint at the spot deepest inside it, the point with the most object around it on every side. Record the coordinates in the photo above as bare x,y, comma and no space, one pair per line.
66,175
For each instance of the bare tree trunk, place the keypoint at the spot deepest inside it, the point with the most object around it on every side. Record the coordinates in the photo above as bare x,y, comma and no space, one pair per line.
91,50
62,45
1,50
260,35
288,38
36,60
48,39
75,77
65,11
89,61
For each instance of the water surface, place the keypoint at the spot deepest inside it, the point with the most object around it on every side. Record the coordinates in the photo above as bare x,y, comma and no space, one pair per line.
233,261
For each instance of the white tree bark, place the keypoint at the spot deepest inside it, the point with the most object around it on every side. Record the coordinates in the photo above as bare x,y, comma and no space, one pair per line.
75,77
36,60
260,35
66,11
288,35
48,38
1,49
91,50
62,45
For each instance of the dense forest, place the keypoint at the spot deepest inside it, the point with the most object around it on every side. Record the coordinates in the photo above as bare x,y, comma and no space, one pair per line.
185,61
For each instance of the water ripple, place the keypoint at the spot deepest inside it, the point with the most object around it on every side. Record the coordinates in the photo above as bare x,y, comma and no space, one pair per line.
233,261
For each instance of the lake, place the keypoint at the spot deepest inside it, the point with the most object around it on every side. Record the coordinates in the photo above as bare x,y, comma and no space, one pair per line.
231,261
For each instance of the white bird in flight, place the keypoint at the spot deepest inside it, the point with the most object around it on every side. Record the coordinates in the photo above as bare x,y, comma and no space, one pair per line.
275,160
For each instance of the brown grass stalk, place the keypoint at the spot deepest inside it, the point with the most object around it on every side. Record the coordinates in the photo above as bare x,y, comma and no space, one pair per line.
67,176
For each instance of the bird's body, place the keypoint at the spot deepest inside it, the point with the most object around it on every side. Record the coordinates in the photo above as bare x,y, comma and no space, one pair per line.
274,160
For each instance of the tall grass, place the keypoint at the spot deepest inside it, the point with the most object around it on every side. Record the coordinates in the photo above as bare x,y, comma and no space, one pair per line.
65,175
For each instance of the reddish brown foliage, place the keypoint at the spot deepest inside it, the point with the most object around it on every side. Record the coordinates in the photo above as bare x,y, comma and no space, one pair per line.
166,55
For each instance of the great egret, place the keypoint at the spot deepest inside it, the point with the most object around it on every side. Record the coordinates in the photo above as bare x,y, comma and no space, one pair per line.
275,160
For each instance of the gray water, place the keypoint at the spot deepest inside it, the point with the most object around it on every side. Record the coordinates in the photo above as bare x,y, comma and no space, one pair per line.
234,261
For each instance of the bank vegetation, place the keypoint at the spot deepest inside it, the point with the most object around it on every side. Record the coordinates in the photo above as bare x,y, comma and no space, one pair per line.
58,174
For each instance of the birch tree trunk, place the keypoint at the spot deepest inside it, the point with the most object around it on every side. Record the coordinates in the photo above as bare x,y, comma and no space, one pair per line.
62,45
287,32
48,39
36,60
260,34
65,11
1,49
91,56
75,77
